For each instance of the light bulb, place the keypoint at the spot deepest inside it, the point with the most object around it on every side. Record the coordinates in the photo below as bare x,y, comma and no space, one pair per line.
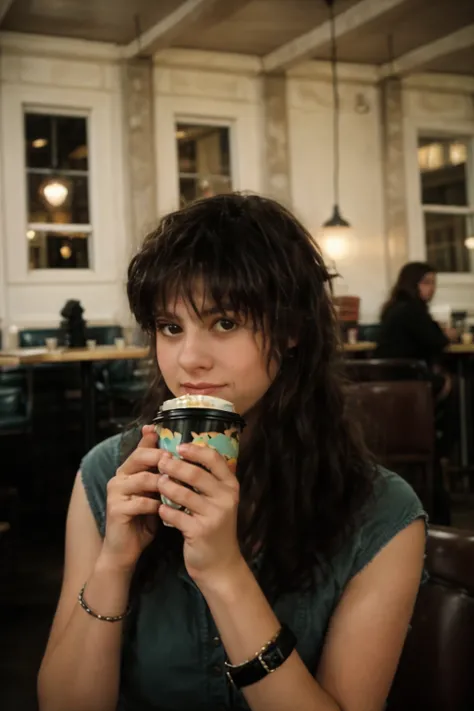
65,251
30,234
469,242
55,193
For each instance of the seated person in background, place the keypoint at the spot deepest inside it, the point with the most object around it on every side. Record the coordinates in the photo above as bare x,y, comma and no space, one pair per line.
408,331
407,328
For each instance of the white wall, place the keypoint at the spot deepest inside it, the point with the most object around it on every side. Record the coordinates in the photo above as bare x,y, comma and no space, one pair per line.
361,188
62,74
208,88
226,89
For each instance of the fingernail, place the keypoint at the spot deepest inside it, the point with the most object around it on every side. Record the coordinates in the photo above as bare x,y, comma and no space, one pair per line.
183,448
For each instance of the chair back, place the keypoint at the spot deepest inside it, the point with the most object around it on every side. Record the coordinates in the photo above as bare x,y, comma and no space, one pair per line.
386,369
397,420
436,668
348,308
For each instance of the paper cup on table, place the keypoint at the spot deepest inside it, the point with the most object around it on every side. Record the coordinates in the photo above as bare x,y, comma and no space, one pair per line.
51,344
120,343
203,421
467,338
91,344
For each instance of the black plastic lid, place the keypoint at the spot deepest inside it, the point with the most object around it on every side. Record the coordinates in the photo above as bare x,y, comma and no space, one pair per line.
185,413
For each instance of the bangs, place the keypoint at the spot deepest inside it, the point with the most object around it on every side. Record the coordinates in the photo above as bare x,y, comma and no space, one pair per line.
201,286
235,253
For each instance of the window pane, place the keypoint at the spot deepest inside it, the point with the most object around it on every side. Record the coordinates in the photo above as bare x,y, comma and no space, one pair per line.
443,170
38,144
61,199
445,242
71,139
52,250
196,188
203,150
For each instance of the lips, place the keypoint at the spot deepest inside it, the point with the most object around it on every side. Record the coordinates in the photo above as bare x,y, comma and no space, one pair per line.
201,388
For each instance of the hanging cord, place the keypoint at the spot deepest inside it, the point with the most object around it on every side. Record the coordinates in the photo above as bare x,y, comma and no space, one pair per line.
335,91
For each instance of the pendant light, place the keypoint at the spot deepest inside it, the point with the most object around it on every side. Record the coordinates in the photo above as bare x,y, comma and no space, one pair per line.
336,234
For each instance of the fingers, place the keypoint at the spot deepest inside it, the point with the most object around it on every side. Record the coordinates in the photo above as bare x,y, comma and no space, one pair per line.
149,437
136,506
189,474
139,483
181,495
142,458
208,458
178,519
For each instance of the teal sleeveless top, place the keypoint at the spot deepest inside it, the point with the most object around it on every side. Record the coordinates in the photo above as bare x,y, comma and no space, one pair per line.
172,657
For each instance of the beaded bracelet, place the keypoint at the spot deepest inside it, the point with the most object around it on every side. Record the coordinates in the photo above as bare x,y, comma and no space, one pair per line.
105,618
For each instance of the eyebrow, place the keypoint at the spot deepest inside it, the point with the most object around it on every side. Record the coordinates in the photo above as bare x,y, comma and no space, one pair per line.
205,313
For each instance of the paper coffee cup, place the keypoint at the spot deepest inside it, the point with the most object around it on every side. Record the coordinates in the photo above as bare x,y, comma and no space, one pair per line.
203,421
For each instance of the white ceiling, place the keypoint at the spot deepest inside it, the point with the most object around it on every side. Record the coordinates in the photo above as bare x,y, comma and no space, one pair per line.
369,31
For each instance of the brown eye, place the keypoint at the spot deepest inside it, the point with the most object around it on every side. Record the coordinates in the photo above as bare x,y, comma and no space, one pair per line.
225,325
169,329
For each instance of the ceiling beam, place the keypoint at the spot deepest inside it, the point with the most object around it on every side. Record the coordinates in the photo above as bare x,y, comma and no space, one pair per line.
419,58
305,46
166,30
4,7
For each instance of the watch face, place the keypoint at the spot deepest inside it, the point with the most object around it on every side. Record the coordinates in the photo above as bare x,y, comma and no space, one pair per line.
273,657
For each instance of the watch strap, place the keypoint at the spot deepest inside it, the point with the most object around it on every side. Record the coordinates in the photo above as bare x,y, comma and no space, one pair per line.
268,660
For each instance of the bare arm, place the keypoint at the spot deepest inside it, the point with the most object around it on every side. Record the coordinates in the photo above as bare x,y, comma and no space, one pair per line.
81,666
362,647
80,669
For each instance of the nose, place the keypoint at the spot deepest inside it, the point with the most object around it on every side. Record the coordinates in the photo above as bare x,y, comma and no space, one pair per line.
195,353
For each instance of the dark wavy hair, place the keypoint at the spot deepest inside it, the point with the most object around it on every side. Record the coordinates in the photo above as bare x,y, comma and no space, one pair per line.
304,473
406,286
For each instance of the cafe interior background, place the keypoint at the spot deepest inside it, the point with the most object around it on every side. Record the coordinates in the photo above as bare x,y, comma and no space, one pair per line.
113,114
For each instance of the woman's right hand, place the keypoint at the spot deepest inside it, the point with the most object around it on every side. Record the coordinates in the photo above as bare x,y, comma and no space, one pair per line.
132,510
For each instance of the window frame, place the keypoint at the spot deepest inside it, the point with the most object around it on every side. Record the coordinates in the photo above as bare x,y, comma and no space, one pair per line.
416,209
202,121
71,227
244,120
460,210
103,142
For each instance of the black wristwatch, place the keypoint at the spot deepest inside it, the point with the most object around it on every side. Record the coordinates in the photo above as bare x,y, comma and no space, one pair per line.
272,656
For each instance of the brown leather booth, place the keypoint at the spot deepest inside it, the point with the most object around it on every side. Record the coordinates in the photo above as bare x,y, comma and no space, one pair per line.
436,671
397,419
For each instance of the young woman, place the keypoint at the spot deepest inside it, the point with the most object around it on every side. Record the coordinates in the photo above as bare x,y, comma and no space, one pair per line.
407,329
310,554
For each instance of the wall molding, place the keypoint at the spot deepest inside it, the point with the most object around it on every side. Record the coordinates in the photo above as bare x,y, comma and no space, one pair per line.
223,62
58,47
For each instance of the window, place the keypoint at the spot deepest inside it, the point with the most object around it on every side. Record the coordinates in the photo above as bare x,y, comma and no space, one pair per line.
204,164
57,176
448,204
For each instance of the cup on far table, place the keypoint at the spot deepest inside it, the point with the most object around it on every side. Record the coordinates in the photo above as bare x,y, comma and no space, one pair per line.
467,338
120,343
352,336
51,344
91,344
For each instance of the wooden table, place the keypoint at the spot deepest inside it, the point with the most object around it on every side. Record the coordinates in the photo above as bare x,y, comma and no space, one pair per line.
359,347
8,361
86,357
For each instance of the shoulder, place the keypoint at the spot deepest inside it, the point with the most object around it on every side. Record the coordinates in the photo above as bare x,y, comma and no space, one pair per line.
392,507
99,466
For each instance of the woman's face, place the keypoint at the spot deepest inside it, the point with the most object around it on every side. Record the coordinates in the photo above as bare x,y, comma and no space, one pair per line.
214,353
427,286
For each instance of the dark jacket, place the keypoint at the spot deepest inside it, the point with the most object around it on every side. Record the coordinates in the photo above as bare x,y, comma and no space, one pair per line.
408,331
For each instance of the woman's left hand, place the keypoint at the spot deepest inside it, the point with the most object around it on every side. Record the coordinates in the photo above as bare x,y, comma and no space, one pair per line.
211,546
